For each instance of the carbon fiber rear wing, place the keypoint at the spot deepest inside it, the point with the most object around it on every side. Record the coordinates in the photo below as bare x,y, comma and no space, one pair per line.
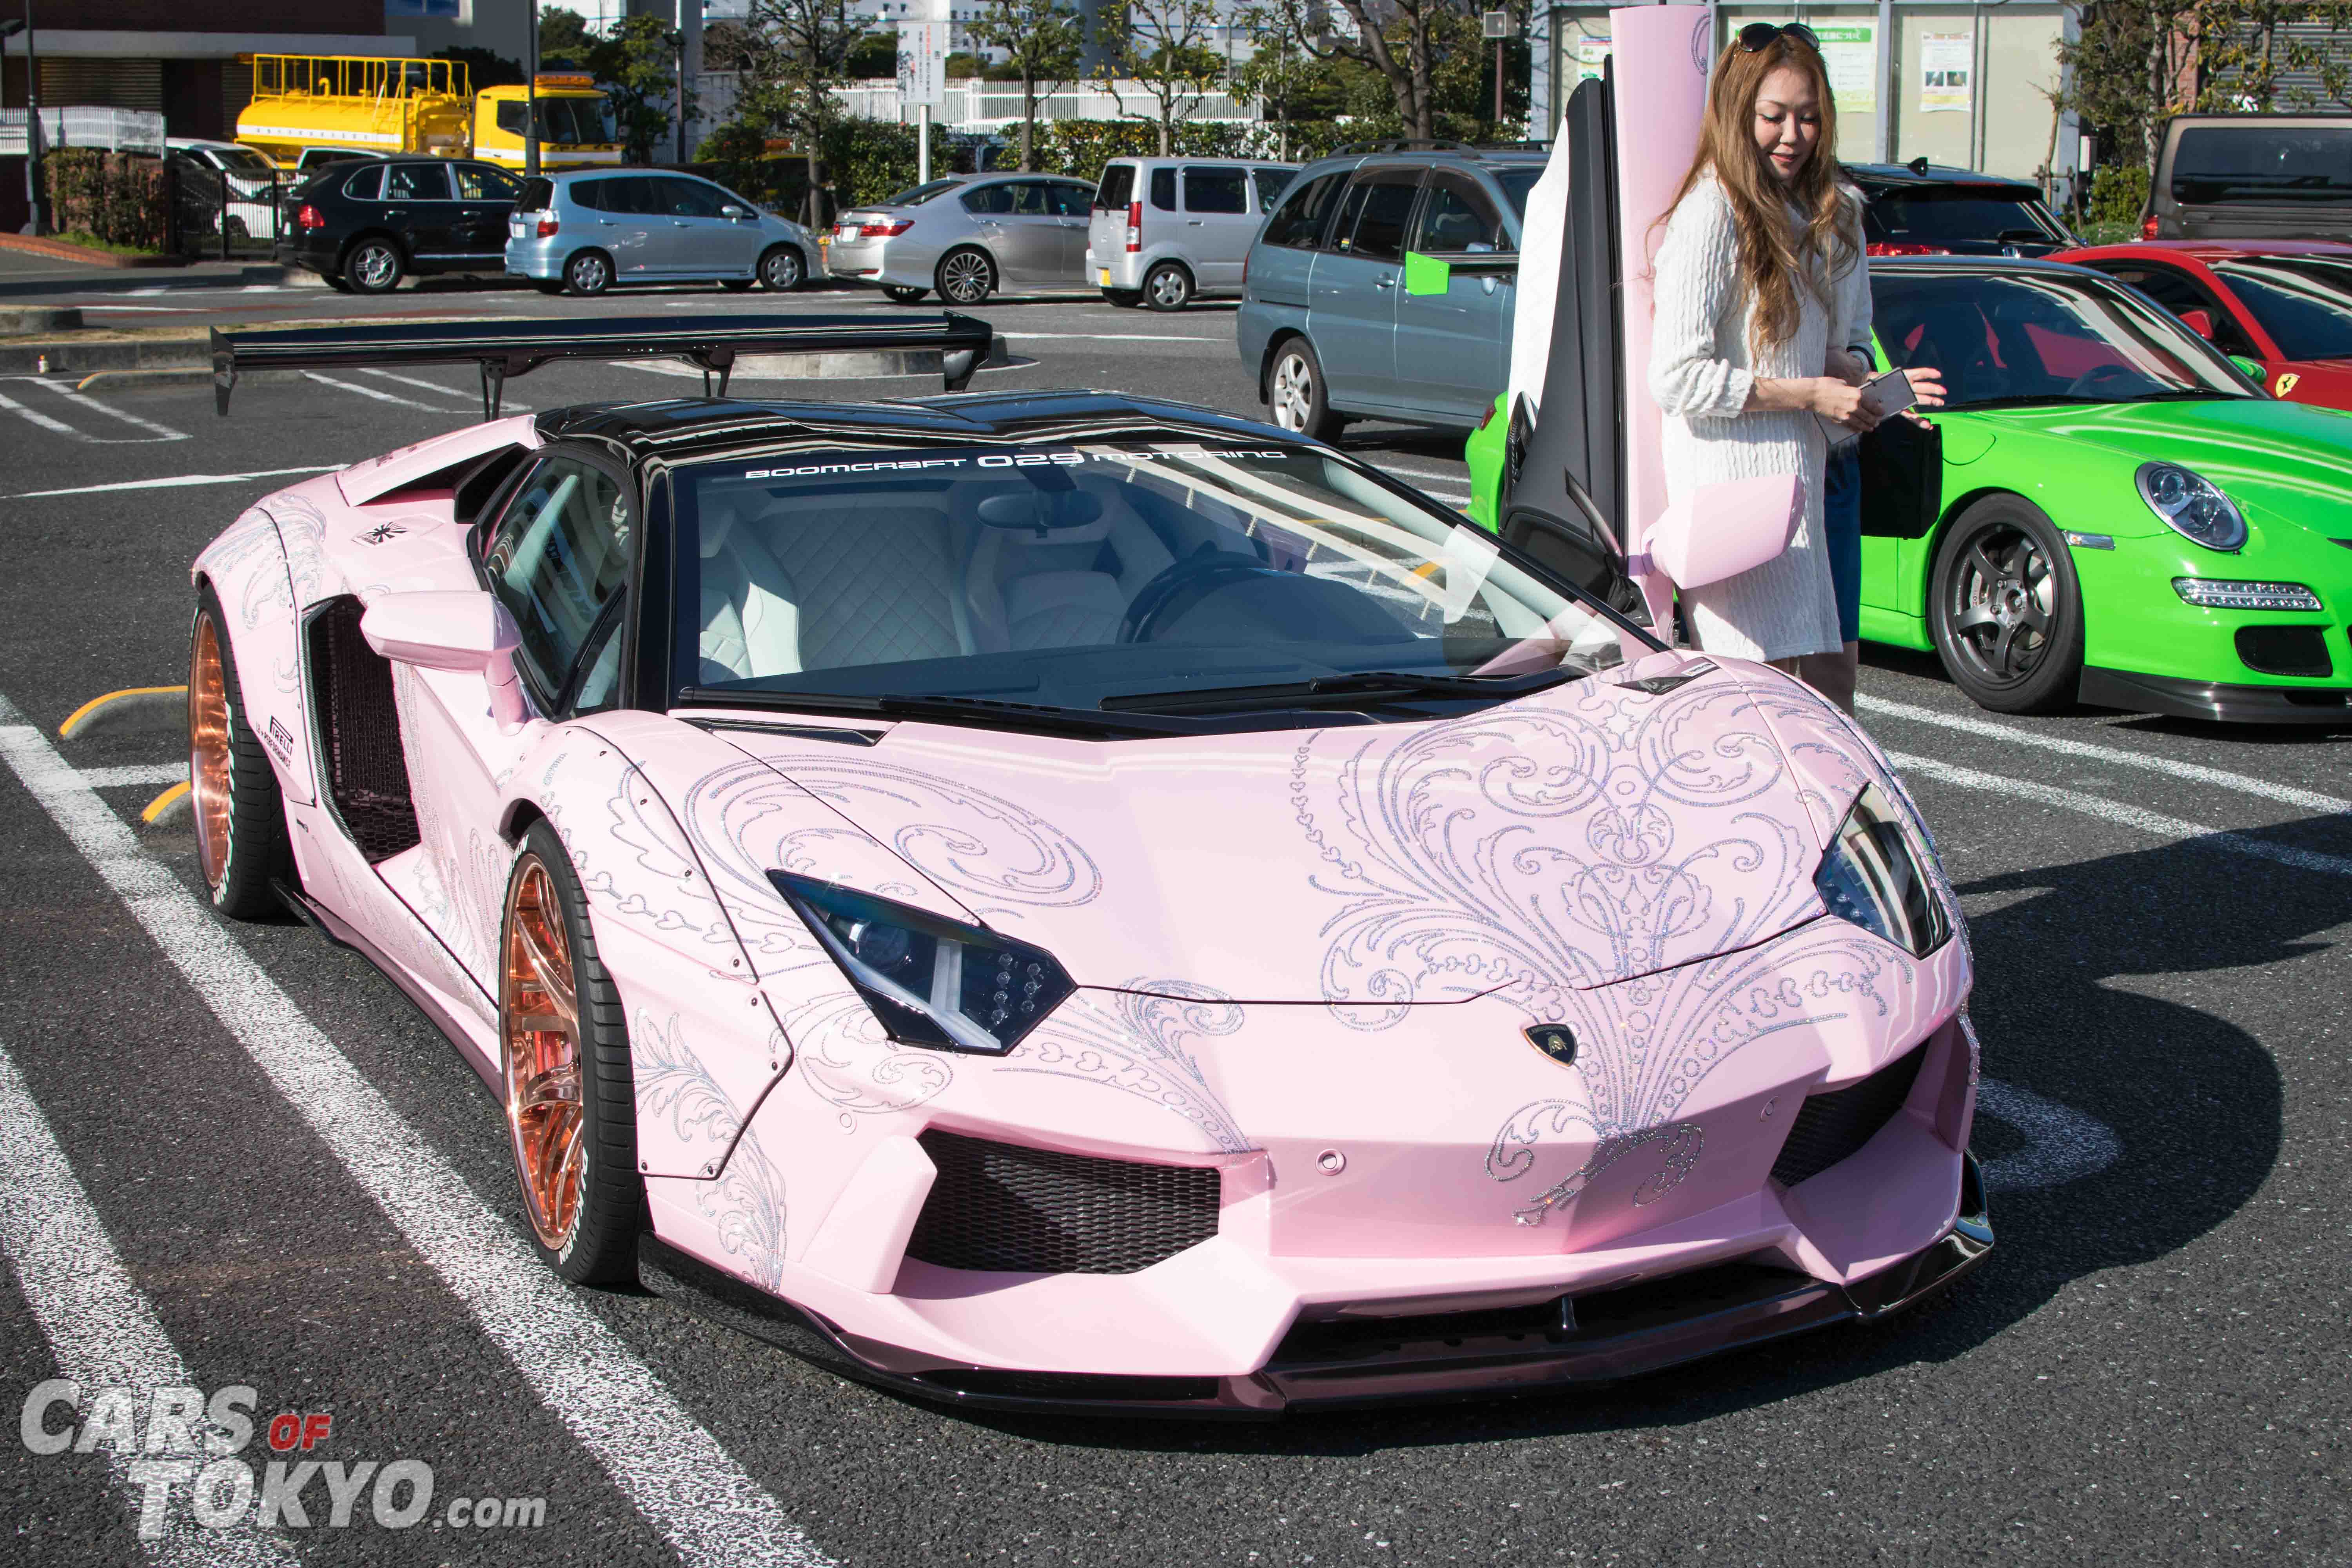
503,349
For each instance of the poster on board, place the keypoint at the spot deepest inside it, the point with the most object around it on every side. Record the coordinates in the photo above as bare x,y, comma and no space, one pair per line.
1589,54
1946,69
1850,55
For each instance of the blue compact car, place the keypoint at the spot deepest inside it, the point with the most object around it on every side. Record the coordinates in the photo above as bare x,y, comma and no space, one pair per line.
1328,323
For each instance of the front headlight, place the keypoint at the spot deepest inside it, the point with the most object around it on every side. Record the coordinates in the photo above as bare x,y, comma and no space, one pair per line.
1871,877
2191,506
932,982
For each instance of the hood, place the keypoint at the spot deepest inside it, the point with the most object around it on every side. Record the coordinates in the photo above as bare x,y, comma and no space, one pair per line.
2282,460
1576,838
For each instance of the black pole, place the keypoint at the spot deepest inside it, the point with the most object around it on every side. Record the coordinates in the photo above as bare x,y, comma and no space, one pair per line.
531,101
36,187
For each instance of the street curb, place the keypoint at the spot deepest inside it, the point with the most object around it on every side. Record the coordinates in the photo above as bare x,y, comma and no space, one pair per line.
16,323
59,250
140,354
179,375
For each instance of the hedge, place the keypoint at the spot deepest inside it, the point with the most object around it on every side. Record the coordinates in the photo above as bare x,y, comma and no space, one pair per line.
118,197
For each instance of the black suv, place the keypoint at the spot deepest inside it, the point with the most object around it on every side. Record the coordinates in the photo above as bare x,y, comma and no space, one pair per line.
365,226
1928,209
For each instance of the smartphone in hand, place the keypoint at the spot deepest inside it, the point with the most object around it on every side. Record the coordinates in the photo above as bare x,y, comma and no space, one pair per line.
1889,395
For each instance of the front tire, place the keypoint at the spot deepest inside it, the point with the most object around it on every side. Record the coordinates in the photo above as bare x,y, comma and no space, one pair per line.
783,269
900,295
2006,610
564,1050
1168,287
374,267
1295,395
588,272
966,277
241,842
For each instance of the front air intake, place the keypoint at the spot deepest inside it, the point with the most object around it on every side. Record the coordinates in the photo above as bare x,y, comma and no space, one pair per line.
1004,1207
1829,1127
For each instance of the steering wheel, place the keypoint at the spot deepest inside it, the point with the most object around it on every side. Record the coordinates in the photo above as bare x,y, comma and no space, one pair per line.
1178,587
2088,383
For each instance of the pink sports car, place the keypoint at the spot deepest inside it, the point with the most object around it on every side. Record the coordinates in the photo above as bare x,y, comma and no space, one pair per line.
1065,900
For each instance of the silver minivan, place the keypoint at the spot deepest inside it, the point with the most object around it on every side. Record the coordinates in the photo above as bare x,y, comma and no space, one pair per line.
1166,229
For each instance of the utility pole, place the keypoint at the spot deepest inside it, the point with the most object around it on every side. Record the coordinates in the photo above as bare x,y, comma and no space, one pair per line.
529,98
690,70
35,219
677,41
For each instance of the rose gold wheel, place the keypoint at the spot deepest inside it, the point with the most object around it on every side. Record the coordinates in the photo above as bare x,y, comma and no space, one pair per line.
208,756
540,1024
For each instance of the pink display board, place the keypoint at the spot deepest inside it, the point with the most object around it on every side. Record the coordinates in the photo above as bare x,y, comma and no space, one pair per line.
1660,56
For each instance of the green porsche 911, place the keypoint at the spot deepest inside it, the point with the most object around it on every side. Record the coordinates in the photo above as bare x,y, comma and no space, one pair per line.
2108,510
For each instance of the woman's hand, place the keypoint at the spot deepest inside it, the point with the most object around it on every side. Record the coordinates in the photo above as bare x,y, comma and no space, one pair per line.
1841,404
1927,386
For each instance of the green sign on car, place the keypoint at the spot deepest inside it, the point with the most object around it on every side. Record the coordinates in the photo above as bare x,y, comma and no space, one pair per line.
2107,509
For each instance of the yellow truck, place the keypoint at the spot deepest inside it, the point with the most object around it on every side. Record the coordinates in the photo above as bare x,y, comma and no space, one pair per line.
352,103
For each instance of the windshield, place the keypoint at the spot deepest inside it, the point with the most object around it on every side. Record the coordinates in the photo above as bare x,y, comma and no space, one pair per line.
2262,162
2305,306
1517,184
1948,214
2042,338
244,160
1120,577
574,122
917,196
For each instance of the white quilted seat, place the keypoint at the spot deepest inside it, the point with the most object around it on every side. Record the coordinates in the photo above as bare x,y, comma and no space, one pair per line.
1067,589
850,582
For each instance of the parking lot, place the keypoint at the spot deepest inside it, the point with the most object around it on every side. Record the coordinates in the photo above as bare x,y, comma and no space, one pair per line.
236,1158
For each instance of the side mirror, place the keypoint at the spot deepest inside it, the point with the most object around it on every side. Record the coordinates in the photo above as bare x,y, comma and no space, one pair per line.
1580,551
2198,321
2253,370
462,631
731,211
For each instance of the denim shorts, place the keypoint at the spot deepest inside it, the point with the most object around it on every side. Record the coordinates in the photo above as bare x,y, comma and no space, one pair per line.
1842,535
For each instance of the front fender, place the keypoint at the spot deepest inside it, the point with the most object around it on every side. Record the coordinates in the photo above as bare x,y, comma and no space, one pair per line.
248,569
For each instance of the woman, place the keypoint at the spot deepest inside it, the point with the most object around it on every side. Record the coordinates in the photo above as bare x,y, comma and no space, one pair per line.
1746,290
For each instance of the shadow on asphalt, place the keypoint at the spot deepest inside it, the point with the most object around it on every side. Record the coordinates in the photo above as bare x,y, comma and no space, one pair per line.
1927,666
2197,1103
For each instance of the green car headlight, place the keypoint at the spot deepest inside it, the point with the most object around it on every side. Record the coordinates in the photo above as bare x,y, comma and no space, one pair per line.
1871,877
2191,506
932,982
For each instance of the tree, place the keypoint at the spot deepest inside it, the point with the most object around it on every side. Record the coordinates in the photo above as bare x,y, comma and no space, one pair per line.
875,57
1164,45
1281,73
563,38
794,53
634,68
1405,55
484,67
1040,40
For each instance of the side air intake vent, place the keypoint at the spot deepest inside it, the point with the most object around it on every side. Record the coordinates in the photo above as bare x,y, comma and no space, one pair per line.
1000,1206
359,734
1829,1127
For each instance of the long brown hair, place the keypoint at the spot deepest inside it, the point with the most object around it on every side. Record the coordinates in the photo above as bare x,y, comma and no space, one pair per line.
1772,261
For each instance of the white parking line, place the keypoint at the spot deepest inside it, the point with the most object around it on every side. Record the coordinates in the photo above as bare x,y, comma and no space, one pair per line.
100,1327
57,426
174,482
134,773
2162,827
674,1472
505,404
380,396
2309,800
83,400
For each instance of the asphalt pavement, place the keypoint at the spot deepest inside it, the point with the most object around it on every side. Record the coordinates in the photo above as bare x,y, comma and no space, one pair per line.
213,1139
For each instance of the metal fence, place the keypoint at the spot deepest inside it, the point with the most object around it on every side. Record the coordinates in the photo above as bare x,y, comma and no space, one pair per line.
107,129
978,105
221,216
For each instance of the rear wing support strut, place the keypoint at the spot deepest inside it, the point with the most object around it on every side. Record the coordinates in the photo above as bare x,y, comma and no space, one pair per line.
502,349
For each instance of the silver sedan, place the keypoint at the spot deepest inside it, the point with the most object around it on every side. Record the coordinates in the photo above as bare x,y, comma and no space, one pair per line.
967,238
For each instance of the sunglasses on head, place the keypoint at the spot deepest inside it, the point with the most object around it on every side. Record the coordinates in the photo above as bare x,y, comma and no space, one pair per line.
1757,37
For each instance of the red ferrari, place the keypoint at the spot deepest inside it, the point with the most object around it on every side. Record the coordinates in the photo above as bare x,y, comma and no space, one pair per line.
2283,303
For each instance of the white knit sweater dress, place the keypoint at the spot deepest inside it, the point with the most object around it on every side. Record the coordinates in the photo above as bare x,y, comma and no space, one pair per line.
1701,368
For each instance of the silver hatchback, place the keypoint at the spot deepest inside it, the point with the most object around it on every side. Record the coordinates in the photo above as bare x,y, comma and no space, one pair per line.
586,231
968,236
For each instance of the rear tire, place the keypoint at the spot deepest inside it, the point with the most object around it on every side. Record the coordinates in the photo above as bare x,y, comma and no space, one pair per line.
374,266
900,295
966,276
2006,610
340,285
783,269
1295,395
241,841
1168,287
1125,298
588,272
563,1059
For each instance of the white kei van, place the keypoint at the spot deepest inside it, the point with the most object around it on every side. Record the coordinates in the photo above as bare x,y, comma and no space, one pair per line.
1166,229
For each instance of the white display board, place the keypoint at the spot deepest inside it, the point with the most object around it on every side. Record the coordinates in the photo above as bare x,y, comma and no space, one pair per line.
922,62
